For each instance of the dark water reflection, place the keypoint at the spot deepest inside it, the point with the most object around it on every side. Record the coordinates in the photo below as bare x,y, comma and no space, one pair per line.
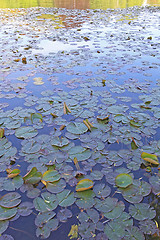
78,4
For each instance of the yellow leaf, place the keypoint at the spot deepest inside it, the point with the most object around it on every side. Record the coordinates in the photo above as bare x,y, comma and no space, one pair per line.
73,232
152,158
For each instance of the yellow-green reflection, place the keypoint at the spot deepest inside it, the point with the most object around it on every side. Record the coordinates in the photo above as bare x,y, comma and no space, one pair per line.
79,4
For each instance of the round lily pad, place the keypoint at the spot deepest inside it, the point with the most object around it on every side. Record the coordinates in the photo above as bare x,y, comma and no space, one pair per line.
7,213
10,200
123,180
26,132
84,184
50,176
77,128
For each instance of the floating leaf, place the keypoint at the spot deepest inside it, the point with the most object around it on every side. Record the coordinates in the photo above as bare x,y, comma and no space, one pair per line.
33,176
142,211
26,132
10,200
73,232
84,184
38,81
50,176
13,173
44,217
7,213
77,128
151,158
66,198
123,180
66,109
1,132
36,116
59,142
3,226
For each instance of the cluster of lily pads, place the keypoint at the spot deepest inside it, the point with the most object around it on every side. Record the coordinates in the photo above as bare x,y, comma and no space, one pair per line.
79,129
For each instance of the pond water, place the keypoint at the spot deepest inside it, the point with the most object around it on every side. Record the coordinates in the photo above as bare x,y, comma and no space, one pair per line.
78,4
79,120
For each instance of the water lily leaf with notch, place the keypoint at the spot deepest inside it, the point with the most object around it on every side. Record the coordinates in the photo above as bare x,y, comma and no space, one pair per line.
155,183
59,142
13,173
106,205
3,226
31,147
66,198
132,194
26,132
44,217
123,180
102,190
36,116
151,158
45,203
116,228
82,156
64,214
116,211
87,199
33,176
50,176
142,211
84,184
134,233
148,227
96,175
93,215
7,213
25,209
77,128
76,150
10,200
56,187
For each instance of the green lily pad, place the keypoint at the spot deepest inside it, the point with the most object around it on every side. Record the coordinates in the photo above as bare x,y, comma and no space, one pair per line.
33,176
84,184
151,158
56,187
10,200
7,213
44,217
66,198
59,142
3,226
50,176
134,233
142,211
26,132
77,128
123,180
